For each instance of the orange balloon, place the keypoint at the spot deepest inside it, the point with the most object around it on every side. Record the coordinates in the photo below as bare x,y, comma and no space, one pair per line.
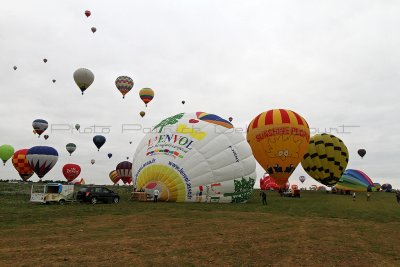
279,139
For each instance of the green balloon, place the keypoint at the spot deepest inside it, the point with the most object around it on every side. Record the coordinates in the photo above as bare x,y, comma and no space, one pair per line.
6,152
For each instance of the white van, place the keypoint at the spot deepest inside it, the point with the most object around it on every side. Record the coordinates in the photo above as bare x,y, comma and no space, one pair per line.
52,192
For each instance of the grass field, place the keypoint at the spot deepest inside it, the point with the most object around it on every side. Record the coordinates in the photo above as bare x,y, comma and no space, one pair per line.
318,229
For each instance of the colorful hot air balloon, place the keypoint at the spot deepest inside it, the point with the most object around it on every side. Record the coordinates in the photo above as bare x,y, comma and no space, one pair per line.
77,127
15,67
92,161
278,139
39,126
21,164
45,60
124,170
83,78
114,177
78,181
362,152
124,84
302,179
146,94
230,119
268,183
87,13
197,159
355,180
71,171
46,136
109,155
42,159
142,113
93,29
6,152
99,141
326,159
70,148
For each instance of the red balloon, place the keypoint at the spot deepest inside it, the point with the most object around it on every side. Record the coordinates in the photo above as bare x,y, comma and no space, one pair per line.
124,170
87,13
267,183
71,171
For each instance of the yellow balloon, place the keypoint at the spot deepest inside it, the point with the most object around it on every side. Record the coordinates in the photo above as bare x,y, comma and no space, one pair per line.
278,139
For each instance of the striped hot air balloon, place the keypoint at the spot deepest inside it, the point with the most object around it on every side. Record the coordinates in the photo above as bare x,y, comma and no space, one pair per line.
39,126
124,170
114,176
146,94
42,159
21,164
278,139
124,84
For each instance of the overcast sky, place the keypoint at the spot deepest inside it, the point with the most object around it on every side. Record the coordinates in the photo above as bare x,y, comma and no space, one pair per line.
336,63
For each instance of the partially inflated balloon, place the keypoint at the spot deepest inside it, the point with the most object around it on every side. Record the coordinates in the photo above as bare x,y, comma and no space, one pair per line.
124,84
87,13
6,152
362,152
278,139
99,141
142,113
42,159
71,171
146,94
39,126
114,177
355,180
71,148
268,183
326,158
124,170
21,164
83,78
195,157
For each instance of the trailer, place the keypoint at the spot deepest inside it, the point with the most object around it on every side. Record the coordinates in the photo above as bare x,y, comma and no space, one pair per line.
52,193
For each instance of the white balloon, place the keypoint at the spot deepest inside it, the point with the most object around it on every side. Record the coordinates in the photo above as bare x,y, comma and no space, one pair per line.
83,78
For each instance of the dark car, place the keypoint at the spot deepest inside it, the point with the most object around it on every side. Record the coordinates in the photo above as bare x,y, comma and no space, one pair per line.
95,194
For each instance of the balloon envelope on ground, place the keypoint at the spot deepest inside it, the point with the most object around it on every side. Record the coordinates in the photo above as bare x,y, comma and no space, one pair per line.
355,180
195,157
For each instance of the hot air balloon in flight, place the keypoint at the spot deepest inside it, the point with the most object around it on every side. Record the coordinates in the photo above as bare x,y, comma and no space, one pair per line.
130,142
355,180
21,164
6,152
124,170
54,80
99,141
230,119
71,171
326,159
109,155
46,136
114,177
39,126
146,94
183,102
196,159
92,161
278,139
70,148
42,159
77,127
302,179
15,67
87,13
142,113
93,29
124,84
362,152
83,78
45,60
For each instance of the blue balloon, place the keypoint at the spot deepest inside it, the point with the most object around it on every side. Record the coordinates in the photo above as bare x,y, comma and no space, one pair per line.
99,141
42,159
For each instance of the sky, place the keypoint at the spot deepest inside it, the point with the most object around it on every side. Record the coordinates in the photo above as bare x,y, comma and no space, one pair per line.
336,63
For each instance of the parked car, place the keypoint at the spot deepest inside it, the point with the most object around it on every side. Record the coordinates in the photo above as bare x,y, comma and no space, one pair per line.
95,194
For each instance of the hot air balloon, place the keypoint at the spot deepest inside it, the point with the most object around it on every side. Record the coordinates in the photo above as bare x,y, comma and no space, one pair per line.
83,78
77,127
230,119
34,132
124,170
130,142
127,158
326,159
146,94
294,187
362,152
42,159
268,183
355,180
124,84
46,136
6,152
196,160
87,13
183,102
71,148
21,164
109,155
78,181
93,29
386,187
142,113
99,141
278,139
302,179
92,161
114,177
39,126
54,80
71,171
45,60
15,67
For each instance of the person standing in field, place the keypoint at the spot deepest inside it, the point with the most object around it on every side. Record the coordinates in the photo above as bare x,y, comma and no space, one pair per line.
368,196
156,193
354,196
398,196
264,197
